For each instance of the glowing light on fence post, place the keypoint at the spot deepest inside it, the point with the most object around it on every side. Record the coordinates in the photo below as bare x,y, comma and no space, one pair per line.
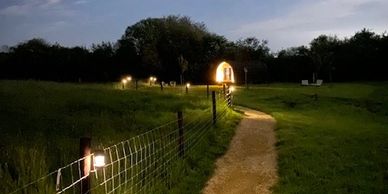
99,159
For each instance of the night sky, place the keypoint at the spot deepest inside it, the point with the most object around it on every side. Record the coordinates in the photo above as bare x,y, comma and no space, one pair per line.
284,23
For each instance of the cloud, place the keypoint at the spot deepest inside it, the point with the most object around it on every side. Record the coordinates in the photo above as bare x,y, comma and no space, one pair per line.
49,3
53,1
310,19
80,2
27,7
15,10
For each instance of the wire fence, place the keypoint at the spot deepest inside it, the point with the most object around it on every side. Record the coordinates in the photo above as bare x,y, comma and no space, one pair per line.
147,163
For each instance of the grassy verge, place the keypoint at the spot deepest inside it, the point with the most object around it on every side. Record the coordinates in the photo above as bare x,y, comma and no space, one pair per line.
200,164
331,139
41,123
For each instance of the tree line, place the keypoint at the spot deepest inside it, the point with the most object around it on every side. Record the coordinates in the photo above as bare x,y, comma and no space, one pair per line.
175,48
362,57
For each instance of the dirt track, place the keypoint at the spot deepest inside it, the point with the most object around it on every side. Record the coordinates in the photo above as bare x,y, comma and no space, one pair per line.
249,166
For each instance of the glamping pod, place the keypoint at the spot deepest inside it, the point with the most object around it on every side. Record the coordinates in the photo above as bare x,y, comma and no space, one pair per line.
224,73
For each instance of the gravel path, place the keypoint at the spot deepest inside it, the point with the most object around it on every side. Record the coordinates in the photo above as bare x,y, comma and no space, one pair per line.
249,166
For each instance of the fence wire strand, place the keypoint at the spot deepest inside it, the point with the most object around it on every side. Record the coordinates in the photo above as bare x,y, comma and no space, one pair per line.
145,163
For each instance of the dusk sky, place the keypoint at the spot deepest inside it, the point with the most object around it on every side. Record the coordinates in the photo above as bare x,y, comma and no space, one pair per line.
284,23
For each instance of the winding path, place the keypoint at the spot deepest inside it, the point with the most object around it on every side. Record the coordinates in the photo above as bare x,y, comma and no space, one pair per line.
250,164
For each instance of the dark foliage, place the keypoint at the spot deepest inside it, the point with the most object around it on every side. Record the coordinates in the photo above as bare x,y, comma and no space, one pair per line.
363,57
175,48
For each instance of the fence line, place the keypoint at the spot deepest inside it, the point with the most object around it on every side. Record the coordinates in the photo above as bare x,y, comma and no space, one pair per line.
146,163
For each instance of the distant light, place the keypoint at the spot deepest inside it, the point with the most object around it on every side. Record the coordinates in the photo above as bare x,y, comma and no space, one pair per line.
124,81
153,79
99,159
129,78
232,88
188,85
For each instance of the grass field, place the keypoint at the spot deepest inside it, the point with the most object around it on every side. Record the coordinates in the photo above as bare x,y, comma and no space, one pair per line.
331,139
41,123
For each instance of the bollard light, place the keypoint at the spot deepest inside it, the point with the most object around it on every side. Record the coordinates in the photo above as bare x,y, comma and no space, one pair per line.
152,80
124,81
99,159
187,87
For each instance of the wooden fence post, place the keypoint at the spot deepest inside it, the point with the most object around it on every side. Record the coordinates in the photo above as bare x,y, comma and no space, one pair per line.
207,91
85,147
214,107
181,140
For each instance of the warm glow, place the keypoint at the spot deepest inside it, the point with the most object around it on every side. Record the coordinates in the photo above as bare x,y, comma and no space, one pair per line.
188,85
231,89
99,160
152,79
124,81
224,73
129,78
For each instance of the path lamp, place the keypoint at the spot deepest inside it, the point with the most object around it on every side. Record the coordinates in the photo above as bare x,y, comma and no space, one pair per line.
124,81
99,159
152,80
127,80
187,87
231,89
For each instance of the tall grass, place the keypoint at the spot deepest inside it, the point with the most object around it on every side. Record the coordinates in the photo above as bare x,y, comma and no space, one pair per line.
331,139
41,123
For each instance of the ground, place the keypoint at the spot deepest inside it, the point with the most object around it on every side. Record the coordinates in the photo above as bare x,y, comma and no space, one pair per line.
249,165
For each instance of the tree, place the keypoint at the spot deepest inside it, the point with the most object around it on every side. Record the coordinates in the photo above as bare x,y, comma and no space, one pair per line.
252,49
161,41
102,60
322,51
